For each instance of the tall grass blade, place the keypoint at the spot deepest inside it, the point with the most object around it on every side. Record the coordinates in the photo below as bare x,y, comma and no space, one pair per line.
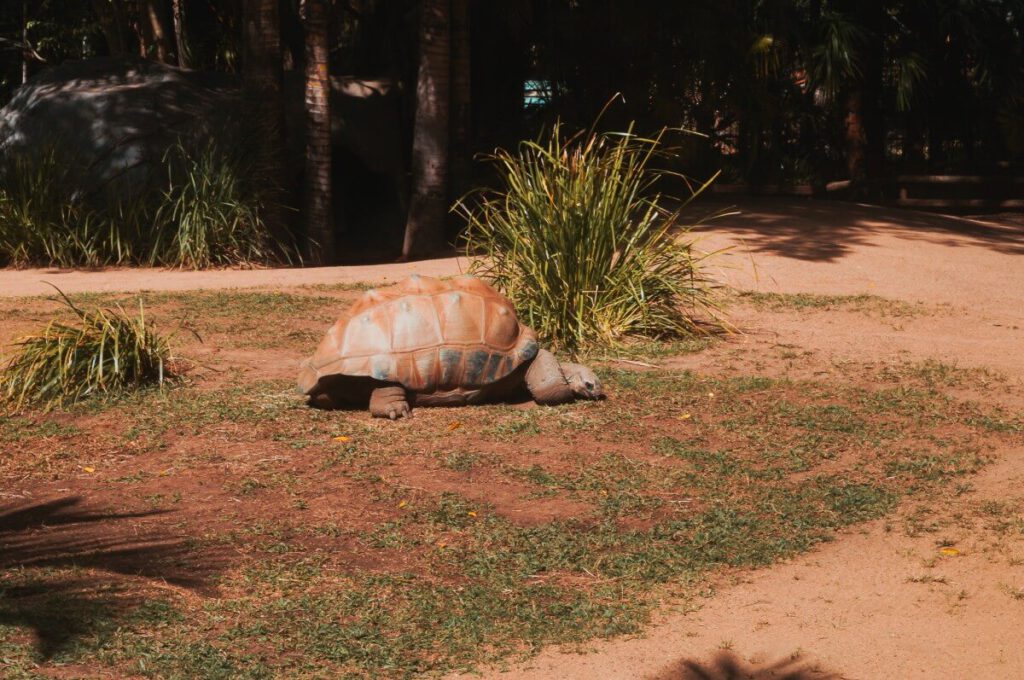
103,352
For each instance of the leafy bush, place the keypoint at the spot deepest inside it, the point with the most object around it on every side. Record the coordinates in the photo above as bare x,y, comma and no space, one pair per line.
583,245
105,352
209,214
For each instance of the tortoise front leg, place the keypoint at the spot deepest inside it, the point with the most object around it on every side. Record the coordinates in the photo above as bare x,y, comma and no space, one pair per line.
389,402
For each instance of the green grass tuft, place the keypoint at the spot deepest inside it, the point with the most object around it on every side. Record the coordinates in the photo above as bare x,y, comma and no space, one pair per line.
584,247
209,213
44,221
105,352
212,215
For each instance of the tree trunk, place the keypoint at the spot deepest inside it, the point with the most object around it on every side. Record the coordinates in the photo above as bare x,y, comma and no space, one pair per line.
114,24
865,122
261,60
856,138
180,36
153,26
461,113
24,41
317,190
913,142
424,229
261,82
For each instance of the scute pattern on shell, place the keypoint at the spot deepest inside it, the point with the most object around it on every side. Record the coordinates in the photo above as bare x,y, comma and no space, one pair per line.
429,335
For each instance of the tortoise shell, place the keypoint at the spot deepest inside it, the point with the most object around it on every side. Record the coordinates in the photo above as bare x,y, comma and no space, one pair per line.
452,336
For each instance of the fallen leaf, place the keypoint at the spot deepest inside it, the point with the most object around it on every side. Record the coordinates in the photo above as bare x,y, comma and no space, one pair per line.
949,551
342,438
454,426
89,469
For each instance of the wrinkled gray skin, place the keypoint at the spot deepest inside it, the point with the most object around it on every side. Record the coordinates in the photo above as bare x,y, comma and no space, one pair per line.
583,381
548,381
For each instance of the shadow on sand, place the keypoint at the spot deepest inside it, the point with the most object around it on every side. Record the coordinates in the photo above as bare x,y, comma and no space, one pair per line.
817,230
69,571
729,666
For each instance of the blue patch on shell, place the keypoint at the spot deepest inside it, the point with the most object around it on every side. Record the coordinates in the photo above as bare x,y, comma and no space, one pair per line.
492,368
475,364
529,350
451,359
381,369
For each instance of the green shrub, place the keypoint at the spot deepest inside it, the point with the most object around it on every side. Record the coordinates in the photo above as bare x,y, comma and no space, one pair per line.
105,352
583,245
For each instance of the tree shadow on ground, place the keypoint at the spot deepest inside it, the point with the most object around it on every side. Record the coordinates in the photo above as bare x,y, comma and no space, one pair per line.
729,666
827,231
69,571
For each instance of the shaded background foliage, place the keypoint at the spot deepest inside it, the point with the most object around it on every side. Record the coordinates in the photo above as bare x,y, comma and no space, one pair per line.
797,91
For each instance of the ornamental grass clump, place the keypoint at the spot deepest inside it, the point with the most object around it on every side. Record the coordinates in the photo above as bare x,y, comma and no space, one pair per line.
580,240
105,352
211,214
42,221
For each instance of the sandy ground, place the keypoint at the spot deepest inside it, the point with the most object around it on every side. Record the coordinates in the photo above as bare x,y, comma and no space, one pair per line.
22,282
877,603
874,604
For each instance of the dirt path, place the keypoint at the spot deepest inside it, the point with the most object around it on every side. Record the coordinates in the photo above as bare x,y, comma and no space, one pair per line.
877,603
23,282
881,602
963,275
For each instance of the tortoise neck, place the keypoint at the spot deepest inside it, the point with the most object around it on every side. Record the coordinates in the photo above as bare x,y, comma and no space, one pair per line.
545,380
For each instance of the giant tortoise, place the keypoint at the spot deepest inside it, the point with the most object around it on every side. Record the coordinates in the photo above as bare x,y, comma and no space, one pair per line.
436,343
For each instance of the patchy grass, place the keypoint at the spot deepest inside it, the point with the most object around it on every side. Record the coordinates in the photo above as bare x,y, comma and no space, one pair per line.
327,544
653,350
864,303
936,374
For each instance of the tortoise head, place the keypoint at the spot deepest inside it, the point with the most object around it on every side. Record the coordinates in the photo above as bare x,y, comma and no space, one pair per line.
583,381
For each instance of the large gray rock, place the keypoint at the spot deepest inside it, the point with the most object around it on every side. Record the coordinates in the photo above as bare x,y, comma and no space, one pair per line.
113,120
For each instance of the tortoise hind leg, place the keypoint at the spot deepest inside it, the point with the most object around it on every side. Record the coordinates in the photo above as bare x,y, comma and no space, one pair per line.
389,402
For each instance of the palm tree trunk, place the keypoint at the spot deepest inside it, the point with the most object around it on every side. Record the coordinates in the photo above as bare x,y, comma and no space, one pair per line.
153,26
317,199
865,123
114,24
181,38
856,138
424,229
461,113
261,83
24,41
